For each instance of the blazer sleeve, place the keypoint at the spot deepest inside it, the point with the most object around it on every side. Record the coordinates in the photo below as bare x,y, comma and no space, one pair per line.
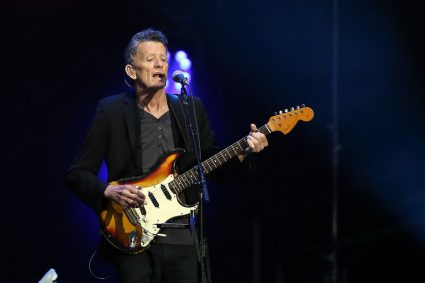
82,174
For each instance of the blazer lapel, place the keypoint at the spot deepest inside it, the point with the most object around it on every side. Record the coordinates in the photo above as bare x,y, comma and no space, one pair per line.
176,106
130,114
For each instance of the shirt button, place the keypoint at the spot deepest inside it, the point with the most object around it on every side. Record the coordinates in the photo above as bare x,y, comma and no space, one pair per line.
159,128
159,136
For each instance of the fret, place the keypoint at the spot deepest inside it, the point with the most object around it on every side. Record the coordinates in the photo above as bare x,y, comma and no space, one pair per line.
180,187
186,182
242,149
228,153
218,160
210,164
234,149
171,186
180,184
191,177
195,174
220,154
204,168
266,128
215,161
223,156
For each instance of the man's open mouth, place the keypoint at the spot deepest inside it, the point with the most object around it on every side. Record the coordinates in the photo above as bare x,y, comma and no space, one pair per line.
159,75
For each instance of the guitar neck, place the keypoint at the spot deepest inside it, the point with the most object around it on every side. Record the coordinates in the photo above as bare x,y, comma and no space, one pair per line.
191,176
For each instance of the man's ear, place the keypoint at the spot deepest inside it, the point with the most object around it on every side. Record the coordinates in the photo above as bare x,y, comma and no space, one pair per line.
130,71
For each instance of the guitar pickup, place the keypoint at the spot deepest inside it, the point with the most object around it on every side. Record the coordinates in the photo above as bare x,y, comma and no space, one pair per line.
166,192
142,210
153,199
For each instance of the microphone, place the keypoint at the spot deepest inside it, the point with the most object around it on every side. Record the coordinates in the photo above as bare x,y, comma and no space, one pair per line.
179,77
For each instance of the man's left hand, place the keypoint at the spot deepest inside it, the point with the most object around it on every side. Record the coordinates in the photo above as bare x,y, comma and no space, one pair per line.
256,141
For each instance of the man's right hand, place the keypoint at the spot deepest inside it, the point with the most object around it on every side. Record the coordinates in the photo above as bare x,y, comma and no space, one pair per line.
126,195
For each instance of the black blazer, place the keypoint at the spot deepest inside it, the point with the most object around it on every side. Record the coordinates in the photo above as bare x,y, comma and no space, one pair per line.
114,136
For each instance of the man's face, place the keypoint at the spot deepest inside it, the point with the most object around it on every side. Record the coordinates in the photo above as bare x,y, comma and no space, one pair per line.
150,65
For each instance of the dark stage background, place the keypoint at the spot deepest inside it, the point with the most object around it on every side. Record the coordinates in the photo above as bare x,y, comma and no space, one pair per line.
250,58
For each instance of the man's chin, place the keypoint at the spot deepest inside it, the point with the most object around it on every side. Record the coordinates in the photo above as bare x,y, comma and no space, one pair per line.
154,87
157,87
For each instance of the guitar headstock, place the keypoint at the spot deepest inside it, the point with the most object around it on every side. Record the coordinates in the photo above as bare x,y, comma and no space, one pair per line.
285,121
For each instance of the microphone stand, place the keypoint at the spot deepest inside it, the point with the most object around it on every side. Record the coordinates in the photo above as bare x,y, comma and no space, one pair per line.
200,240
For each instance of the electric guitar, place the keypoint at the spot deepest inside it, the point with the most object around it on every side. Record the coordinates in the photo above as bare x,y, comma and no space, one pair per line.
133,229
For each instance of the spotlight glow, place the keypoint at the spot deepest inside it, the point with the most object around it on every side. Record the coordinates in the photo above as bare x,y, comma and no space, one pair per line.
185,64
180,55
177,86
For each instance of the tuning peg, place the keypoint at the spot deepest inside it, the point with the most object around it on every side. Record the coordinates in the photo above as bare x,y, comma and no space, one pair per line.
280,112
275,113
302,105
292,108
286,110
297,107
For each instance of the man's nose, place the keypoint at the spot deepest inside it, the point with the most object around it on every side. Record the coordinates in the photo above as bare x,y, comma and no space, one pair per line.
158,63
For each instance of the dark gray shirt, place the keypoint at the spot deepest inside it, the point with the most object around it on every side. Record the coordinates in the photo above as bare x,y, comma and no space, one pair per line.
156,136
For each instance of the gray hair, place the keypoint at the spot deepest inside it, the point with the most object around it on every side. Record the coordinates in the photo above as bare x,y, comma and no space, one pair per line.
145,35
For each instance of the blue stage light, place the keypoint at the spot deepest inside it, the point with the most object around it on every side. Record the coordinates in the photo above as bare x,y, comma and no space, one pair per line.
185,64
180,55
177,86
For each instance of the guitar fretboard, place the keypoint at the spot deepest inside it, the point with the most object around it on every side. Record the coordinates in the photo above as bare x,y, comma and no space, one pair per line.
187,179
